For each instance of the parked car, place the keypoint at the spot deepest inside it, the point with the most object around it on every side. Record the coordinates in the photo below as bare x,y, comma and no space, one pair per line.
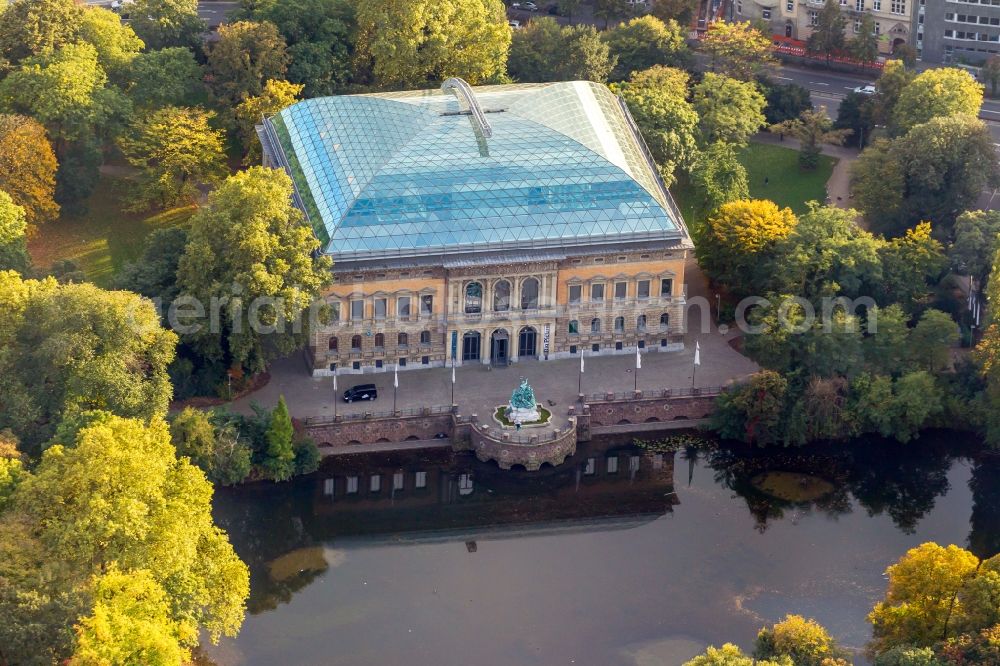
514,25
526,6
361,392
867,89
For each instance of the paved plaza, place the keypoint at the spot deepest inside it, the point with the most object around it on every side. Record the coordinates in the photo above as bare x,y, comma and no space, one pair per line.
479,389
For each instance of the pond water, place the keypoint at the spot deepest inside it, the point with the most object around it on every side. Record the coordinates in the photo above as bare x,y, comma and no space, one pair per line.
621,556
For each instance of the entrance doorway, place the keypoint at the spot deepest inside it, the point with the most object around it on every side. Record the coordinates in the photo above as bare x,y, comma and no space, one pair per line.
527,343
499,347
471,346
788,30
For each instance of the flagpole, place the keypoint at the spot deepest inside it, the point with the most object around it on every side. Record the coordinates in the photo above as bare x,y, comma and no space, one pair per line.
638,364
453,381
336,399
395,385
697,361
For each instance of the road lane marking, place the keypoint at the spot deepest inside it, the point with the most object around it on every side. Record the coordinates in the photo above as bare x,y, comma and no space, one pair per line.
988,111
784,78
818,83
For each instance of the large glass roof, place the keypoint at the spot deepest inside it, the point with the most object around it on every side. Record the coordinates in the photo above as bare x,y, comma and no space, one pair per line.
408,173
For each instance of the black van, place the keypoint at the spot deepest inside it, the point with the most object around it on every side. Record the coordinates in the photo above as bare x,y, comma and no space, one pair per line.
361,392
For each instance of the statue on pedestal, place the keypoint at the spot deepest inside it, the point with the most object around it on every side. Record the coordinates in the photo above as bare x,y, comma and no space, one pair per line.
522,407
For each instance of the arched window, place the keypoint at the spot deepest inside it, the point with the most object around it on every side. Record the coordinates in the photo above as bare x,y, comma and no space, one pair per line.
664,320
425,337
595,325
473,298
379,340
574,327
356,343
640,323
501,296
332,345
403,339
529,294
619,324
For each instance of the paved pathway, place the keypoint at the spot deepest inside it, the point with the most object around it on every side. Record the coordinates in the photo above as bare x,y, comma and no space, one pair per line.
479,390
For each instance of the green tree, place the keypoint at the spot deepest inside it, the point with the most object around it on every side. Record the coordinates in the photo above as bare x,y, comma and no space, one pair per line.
752,412
164,23
546,51
908,656
193,435
737,50
64,90
176,150
737,237
894,78
28,168
936,93
644,42
167,77
656,98
857,114
718,177
728,110
977,239
280,460
827,37
154,273
922,596
806,642
933,173
610,10
910,264
681,11
785,102
251,235
245,57
730,655
74,347
812,129
30,29
130,624
275,97
886,344
931,340
864,47
116,43
406,43
13,226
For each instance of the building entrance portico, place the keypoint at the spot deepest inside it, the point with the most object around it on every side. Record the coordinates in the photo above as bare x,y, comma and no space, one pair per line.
500,347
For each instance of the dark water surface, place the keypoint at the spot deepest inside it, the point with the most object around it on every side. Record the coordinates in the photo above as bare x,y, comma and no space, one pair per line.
586,563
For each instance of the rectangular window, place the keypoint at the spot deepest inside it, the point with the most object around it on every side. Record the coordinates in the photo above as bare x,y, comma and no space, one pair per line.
335,311
790,6
357,310
642,289
857,26
572,349
401,361
765,14
612,464
878,28
621,289
397,481
591,466
375,483
877,5
739,8
403,307
666,287
575,293
426,305
843,3
352,485
595,348
465,486
378,363
356,365
898,7
420,479
327,486
425,360
633,464
814,17
859,5
380,307
597,292
574,327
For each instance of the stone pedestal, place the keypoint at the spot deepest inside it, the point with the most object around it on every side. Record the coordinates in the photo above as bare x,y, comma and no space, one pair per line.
525,416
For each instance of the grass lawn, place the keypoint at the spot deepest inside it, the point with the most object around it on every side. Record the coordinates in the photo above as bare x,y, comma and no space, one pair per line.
103,239
787,184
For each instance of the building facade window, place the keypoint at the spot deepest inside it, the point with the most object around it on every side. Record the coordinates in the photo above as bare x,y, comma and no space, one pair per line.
765,14
380,341
357,310
397,481
813,18
859,5
590,467
335,311
332,344
403,307
420,479
574,327
375,483
352,485
790,6
575,291
328,486
426,305
356,343
619,324
425,337
664,320
739,8
642,289
621,290
877,5
612,464
898,7
380,308
597,292
529,294
666,287
640,323
501,296
857,26
595,325
402,339
473,298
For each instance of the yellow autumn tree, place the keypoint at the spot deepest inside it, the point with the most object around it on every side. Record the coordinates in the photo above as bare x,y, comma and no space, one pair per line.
28,168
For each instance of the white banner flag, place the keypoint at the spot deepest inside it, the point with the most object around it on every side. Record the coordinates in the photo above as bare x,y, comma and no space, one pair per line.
395,377
638,358
697,353
581,361
453,373
334,381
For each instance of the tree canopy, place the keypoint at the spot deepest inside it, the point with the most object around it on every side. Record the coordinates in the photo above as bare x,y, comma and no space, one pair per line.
275,96
729,110
643,42
28,167
245,57
936,93
32,28
738,50
163,23
545,51
13,227
116,43
166,77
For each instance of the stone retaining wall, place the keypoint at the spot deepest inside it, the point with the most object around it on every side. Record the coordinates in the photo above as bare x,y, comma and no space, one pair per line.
531,452
386,429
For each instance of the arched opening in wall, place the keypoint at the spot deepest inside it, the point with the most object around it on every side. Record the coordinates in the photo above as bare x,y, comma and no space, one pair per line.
383,440
356,343
529,294
664,321
499,347
619,324
680,418
546,465
402,340
411,438
595,325
652,419
354,442
473,298
471,346
624,422
518,468
527,343
896,43
501,296
332,344
788,29
425,337
380,341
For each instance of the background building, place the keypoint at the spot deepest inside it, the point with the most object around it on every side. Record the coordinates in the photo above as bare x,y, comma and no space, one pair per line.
489,225
953,32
